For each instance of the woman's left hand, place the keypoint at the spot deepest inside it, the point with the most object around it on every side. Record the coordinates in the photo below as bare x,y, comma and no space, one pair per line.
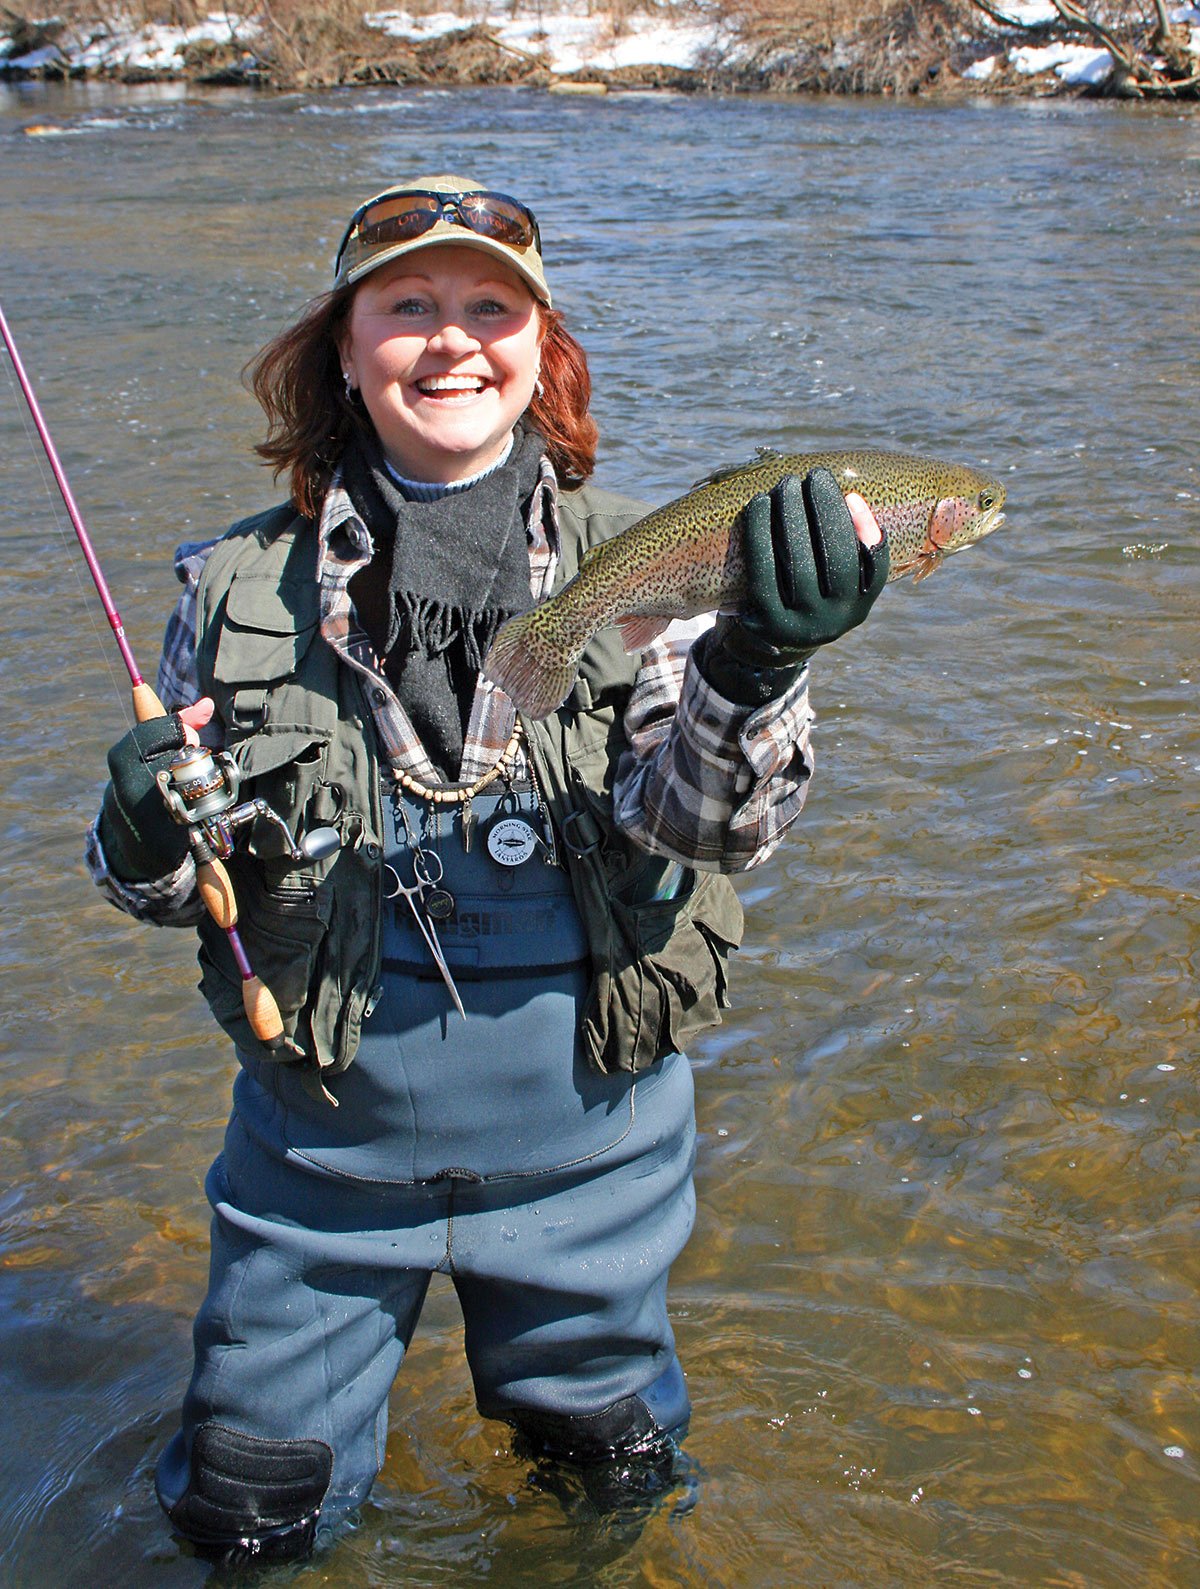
815,563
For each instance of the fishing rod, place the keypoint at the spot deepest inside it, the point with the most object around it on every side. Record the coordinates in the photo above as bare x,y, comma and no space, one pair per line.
146,704
200,787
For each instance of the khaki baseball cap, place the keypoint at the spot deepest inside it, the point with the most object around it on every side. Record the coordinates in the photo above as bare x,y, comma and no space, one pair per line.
438,210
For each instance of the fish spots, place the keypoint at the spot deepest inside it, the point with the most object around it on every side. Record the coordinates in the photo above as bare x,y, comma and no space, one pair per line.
687,557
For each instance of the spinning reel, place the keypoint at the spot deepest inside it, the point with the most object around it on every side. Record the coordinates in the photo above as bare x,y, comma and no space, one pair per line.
200,788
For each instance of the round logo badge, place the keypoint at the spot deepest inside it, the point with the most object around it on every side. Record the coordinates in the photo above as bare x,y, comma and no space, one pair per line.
511,842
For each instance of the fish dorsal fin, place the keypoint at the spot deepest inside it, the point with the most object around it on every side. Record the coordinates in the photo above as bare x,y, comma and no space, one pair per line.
761,455
590,556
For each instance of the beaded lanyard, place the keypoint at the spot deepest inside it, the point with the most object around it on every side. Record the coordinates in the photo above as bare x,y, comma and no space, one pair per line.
461,794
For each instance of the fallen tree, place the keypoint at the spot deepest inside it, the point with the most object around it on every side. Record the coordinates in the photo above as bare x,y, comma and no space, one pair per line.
1151,55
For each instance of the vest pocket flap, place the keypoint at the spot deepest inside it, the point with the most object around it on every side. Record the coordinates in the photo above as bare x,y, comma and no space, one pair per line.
268,626
267,752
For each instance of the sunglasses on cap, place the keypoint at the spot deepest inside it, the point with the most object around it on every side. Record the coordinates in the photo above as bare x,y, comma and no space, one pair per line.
405,215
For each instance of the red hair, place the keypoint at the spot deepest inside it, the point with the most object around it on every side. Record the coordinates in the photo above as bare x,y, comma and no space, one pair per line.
297,379
560,410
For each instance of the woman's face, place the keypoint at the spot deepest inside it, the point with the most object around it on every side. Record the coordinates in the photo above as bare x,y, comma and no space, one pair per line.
443,346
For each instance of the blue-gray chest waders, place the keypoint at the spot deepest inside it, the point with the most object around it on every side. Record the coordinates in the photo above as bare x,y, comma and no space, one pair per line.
554,1197
505,1092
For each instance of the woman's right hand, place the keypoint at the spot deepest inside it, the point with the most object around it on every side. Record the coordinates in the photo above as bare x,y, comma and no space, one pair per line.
141,839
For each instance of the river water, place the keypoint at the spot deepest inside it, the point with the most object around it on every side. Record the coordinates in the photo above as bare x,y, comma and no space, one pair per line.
940,1316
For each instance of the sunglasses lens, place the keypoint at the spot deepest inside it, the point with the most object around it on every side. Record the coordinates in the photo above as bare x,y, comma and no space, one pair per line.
406,216
396,221
492,215
390,221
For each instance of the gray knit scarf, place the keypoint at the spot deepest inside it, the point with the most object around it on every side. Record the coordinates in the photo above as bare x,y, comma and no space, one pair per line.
445,575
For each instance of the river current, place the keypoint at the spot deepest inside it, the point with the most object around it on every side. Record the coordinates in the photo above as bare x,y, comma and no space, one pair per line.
941,1313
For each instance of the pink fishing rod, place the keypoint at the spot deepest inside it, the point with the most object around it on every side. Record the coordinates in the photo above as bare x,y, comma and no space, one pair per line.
212,880
145,703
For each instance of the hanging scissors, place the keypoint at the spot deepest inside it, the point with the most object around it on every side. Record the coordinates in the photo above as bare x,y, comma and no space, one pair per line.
415,896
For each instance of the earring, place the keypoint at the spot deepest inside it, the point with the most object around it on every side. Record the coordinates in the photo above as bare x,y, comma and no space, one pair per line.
538,389
349,387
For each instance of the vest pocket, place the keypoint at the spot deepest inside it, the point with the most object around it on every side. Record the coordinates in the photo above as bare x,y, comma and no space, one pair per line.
668,979
268,625
287,770
284,930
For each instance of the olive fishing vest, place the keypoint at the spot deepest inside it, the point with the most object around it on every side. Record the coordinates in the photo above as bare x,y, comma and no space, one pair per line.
299,727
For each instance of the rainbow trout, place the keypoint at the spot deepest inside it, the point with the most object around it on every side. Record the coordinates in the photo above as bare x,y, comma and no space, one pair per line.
686,558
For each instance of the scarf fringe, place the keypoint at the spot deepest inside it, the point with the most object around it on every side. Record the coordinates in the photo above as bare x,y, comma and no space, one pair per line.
430,627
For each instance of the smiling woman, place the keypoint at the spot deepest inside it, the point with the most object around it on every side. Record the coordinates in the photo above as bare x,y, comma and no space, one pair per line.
445,356
314,400
556,885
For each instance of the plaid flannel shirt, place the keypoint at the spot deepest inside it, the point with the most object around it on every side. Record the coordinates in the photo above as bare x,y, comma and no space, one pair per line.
704,782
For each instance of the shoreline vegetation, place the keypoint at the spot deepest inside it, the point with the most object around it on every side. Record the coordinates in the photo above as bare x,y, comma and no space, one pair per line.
1130,49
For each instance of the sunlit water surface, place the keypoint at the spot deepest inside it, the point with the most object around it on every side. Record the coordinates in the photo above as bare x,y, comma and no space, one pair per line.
940,1312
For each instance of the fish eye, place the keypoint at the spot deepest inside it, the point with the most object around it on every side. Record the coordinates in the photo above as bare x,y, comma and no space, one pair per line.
987,499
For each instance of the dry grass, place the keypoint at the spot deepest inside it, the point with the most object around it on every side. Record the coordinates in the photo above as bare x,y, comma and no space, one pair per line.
891,46
875,46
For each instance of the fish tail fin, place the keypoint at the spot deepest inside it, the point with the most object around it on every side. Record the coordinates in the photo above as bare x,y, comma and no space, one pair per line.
535,675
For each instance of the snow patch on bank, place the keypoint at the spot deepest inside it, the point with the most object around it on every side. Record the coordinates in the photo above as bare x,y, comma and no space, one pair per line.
572,39
1073,63
156,48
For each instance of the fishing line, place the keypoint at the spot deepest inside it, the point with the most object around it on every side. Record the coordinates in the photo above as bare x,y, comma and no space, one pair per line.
200,787
69,543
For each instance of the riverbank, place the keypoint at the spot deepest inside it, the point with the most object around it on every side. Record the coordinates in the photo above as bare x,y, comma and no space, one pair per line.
891,47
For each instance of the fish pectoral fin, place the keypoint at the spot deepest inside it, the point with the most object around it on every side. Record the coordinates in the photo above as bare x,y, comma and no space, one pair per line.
638,631
925,565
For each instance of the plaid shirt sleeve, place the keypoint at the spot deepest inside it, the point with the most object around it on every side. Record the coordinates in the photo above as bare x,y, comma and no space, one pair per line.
170,901
178,684
705,782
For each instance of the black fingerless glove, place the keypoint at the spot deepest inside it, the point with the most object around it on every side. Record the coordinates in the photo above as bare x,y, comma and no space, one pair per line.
809,579
140,838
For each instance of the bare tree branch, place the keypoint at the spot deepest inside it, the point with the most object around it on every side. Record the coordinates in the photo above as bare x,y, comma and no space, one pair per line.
1162,25
1075,16
1150,59
998,16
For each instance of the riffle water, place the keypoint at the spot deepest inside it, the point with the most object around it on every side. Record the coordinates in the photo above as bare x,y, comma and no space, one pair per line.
940,1313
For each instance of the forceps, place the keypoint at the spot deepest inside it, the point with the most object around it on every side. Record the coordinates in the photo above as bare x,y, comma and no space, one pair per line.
415,895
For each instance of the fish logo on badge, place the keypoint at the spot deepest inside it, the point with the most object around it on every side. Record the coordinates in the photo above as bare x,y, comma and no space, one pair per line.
511,842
